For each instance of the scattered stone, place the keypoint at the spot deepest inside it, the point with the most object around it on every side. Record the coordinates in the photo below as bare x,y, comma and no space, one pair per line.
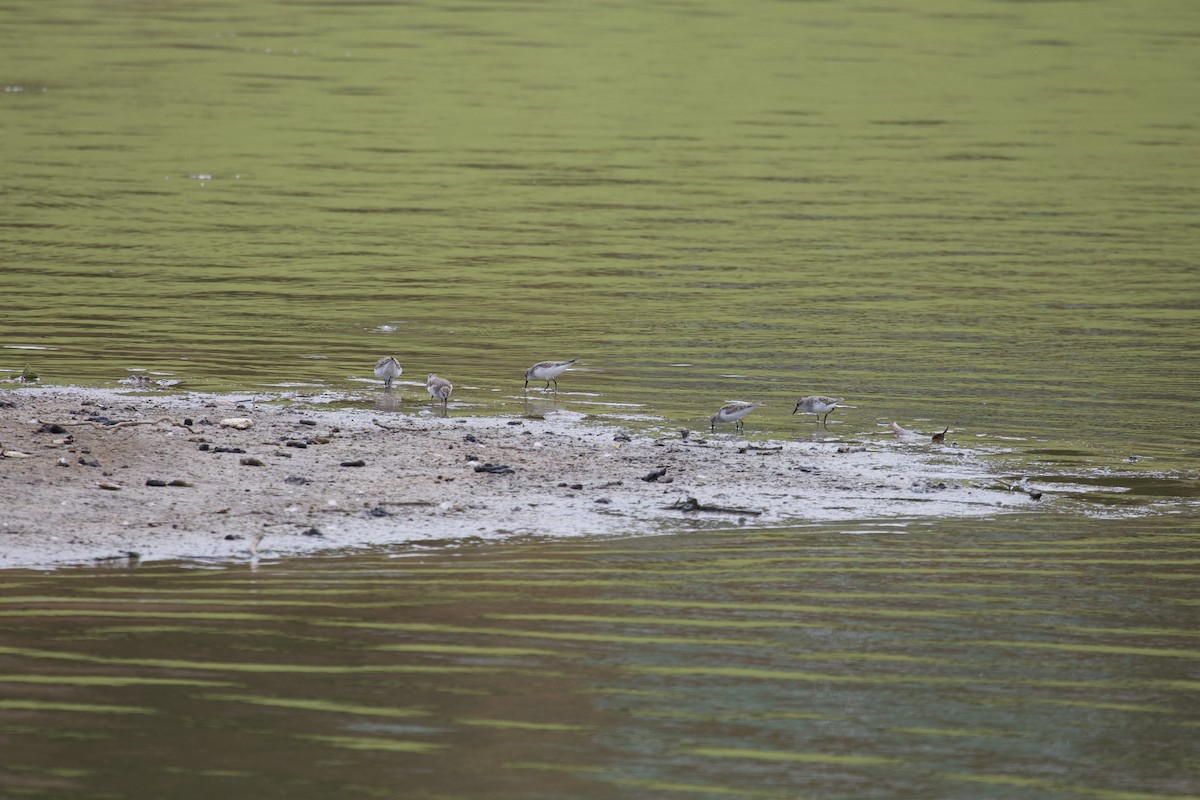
7,404
282,454
62,462
311,422
470,437
205,446
181,483
356,463
379,511
109,486
515,422
312,532
575,486
19,454
87,462
155,482
604,501
250,461
187,422
495,469
51,428
233,537
295,443
851,449
224,449
237,423
621,437
297,480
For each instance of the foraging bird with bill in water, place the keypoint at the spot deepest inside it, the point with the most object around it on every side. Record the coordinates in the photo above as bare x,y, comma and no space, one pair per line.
732,412
387,369
817,404
547,371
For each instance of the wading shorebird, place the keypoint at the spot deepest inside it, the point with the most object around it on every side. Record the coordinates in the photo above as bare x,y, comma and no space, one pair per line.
547,371
387,369
732,412
817,404
439,388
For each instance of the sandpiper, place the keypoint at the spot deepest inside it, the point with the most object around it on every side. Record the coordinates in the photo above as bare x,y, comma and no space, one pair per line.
547,371
733,412
387,369
439,388
817,404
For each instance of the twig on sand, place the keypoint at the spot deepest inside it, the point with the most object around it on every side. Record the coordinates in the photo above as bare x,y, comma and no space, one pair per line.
114,425
692,504
395,428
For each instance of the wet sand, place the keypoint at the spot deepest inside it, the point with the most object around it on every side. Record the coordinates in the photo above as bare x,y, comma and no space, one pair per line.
93,475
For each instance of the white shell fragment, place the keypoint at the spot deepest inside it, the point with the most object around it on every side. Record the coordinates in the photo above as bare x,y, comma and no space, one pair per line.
237,423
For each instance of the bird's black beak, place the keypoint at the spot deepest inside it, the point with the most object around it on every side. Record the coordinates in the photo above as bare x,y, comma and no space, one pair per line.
794,410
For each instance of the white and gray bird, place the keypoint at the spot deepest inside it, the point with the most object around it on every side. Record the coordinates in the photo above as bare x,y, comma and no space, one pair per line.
439,388
547,371
387,369
732,412
817,404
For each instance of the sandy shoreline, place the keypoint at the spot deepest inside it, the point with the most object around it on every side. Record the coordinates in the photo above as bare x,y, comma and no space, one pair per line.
310,479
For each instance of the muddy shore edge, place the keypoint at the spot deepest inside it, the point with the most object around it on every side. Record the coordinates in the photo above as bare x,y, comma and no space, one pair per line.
97,476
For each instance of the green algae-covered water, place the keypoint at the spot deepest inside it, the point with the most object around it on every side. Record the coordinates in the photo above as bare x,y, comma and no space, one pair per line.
1037,657
980,215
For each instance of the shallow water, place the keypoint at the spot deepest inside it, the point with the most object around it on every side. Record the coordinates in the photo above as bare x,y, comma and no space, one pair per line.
1039,657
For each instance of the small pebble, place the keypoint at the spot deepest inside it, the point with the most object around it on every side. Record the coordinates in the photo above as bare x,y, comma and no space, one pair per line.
250,461
356,463
308,422
155,482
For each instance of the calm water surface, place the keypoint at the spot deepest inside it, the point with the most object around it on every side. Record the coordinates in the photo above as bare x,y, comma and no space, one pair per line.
1038,657
980,215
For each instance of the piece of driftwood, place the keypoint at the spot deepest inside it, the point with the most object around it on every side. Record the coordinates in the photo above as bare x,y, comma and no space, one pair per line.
692,504
114,425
